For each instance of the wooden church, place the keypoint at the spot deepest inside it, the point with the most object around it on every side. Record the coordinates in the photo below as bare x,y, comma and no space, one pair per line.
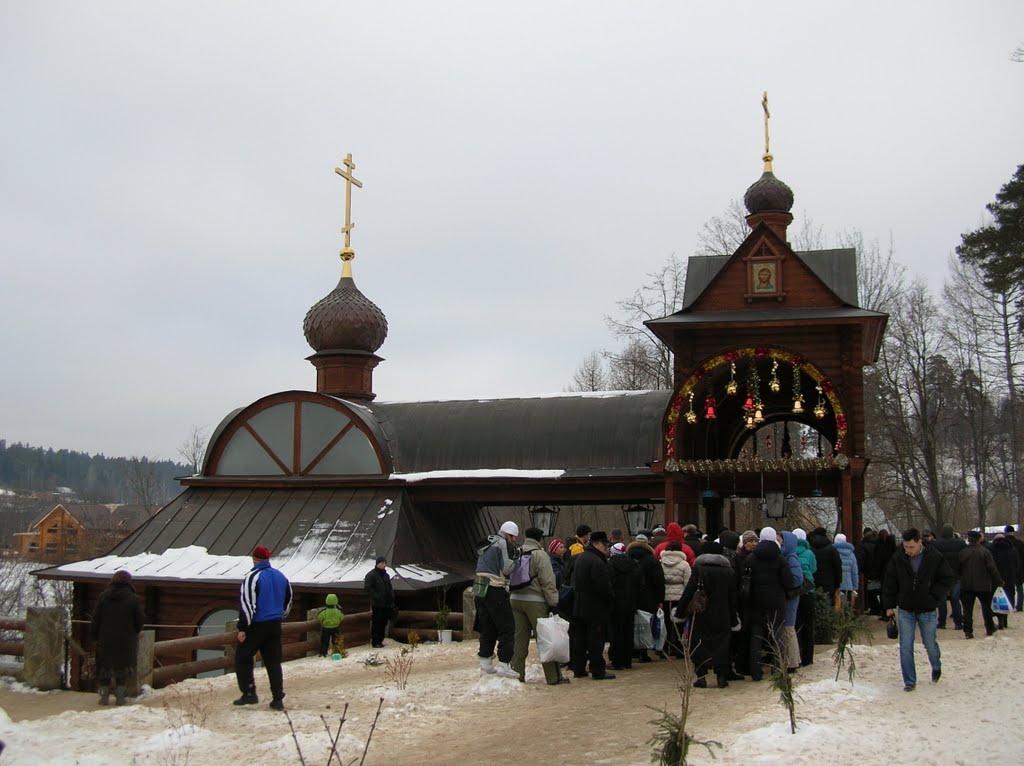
769,342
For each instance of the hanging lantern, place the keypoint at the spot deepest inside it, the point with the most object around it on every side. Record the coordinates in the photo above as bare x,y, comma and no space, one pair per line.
798,406
773,383
709,408
691,416
731,387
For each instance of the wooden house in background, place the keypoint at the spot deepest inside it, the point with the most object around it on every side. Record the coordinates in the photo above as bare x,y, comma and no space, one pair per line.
69,531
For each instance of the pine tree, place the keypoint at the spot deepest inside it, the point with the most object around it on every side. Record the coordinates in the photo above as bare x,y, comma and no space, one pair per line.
998,249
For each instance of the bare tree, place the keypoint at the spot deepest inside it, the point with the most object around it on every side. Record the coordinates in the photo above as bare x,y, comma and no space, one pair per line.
880,277
1018,54
635,368
142,483
660,296
193,449
723,234
590,375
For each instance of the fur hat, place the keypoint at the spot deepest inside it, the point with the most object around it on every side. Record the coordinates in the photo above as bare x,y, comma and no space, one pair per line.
712,547
261,553
553,545
767,533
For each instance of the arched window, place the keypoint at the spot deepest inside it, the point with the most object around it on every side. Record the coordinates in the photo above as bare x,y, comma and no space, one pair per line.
213,623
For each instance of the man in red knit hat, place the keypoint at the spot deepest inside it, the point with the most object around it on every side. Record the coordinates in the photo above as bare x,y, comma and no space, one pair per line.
266,599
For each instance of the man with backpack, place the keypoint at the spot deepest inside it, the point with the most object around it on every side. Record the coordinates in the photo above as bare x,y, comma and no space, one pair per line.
533,595
494,620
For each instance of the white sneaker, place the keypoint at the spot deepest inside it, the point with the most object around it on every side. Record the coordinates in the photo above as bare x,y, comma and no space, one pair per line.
486,665
505,671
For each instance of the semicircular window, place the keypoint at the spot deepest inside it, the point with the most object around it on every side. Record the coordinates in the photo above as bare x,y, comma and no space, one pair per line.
298,438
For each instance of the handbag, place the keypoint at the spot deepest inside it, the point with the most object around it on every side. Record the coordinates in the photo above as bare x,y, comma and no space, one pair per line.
658,629
1000,603
892,628
699,603
553,639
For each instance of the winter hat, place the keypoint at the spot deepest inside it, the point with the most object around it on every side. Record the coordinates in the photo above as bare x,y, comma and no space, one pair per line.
598,537
534,533
769,534
800,534
121,577
750,536
729,539
947,531
642,538
332,600
974,535
583,530
712,547
659,529
618,548
261,552
509,528
553,545
840,538
381,560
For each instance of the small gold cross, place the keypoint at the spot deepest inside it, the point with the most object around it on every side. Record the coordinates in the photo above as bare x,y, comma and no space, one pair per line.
347,253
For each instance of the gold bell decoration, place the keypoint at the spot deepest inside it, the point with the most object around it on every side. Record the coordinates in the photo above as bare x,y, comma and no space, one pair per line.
691,416
819,409
798,406
758,413
731,387
749,421
773,383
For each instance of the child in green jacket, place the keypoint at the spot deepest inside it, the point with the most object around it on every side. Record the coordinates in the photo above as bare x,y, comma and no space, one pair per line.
330,621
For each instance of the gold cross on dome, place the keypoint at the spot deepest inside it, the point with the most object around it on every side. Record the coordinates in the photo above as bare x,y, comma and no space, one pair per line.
767,152
347,253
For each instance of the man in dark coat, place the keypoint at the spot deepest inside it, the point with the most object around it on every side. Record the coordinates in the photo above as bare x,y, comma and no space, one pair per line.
652,582
626,583
1008,563
829,574
1017,596
949,545
116,625
765,610
711,629
266,599
377,585
869,568
592,605
978,578
916,581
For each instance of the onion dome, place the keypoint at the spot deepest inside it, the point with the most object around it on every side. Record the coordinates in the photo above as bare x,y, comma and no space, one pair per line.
345,319
768,194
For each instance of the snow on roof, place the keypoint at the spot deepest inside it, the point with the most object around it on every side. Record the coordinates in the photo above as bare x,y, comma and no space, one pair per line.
559,395
196,564
481,473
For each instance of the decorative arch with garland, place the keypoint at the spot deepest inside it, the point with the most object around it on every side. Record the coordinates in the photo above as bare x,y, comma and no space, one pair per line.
681,411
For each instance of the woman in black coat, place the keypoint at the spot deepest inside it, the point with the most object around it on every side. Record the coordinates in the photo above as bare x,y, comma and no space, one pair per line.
765,609
626,580
115,627
1008,563
652,585
710,630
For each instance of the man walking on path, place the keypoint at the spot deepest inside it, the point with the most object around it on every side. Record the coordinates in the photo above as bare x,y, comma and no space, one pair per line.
979,577
916,581
949,545
266,599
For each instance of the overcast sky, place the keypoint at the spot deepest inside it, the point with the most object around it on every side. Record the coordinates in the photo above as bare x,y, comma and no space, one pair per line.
169,210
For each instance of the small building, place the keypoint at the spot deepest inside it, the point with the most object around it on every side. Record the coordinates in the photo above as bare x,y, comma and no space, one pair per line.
69,531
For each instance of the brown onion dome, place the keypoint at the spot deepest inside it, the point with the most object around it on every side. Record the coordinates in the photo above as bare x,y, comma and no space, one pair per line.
345,319
768,194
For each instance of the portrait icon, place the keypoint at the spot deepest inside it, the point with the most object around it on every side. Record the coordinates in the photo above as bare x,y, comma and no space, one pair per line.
764,277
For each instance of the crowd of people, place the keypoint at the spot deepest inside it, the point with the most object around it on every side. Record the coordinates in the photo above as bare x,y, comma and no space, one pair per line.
740,603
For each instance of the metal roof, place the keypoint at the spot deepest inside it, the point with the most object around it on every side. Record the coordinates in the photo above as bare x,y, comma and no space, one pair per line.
836,268
574,432
747,316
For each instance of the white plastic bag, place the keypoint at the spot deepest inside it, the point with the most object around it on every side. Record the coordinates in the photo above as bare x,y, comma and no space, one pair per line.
553,639
1000,603
643,638
658,629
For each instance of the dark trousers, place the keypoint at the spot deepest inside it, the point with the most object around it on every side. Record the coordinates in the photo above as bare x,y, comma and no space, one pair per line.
805,628
954,600
620,640
327,635
265,638
379,624
967,599
739,650
496,624
589,636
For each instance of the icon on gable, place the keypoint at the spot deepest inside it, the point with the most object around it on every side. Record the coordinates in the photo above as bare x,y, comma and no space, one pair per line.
764,276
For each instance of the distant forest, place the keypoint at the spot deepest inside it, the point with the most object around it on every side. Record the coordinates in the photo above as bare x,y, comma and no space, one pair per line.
93,478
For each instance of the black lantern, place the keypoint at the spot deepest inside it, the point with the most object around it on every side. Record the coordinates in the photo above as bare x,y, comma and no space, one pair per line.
638,517
544,518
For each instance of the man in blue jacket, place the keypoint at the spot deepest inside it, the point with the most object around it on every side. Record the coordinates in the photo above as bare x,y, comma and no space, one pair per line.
266,599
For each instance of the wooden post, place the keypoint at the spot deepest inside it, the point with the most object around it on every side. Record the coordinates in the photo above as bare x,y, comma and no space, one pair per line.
44,646
847,511
143,675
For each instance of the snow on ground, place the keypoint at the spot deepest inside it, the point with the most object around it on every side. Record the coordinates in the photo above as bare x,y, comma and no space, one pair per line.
451,714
